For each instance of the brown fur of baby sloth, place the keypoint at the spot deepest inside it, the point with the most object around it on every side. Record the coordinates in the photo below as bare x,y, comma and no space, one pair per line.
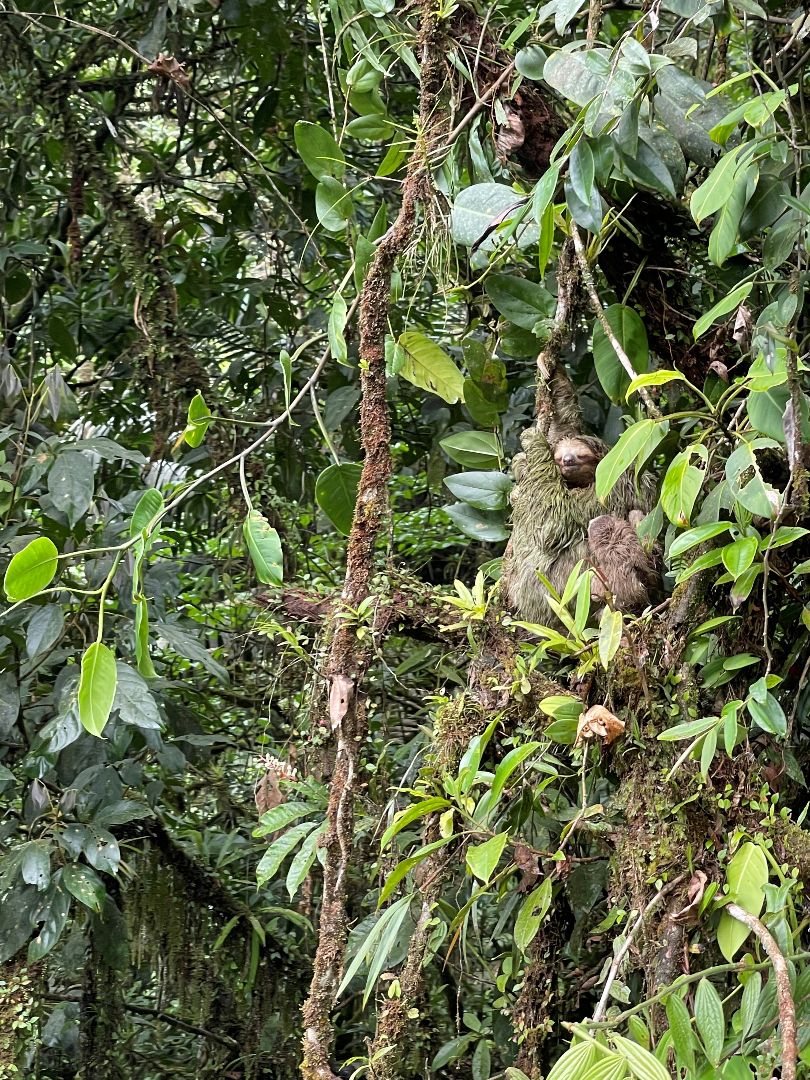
624,572
553,503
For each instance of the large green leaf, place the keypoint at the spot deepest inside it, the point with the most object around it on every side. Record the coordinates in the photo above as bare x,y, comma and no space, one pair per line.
336,493
532,912
473,449
319,151
746,877
147,509
480,208
264,546
519,300
626,324
482,859
97,685
481,525
483,490
31,570
681,488
634,445
85,885
430,367
71,483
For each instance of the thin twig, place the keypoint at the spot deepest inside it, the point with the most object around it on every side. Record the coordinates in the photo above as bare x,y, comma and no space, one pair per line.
475,109
787,1010
601,1008
599,312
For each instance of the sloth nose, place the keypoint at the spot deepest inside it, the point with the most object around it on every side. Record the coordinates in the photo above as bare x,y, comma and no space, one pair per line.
569,460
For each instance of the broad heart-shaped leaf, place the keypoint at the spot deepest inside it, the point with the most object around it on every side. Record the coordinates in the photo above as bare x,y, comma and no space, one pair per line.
198,421
519,300
473,449
430,367
642,437
483,858
746,876
481,525
722,307
483,490
766,410
480,207
575,75
336,493
71,482
85,885
532,912
319,151
680,489
147,509
97,686
629,330
31,570
265,548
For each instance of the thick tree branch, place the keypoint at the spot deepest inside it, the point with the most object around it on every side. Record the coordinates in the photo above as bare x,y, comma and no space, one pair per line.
787,1010
349,656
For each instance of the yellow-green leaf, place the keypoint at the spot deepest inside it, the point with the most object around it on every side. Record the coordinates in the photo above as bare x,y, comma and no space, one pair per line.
265,548
97,684
198,420
610,635
428,366
31,570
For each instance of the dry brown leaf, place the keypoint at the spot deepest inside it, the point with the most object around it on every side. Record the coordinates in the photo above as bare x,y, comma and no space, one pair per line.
341,690
599,723
697,886
171,68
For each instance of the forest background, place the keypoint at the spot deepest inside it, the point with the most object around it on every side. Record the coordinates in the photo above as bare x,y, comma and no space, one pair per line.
274,282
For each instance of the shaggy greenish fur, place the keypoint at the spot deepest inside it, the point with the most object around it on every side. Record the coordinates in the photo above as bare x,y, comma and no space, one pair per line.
550,523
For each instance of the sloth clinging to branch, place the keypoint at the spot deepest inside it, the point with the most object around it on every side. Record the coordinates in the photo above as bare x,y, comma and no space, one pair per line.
555,512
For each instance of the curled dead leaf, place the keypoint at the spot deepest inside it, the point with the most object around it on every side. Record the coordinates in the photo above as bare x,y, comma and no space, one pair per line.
599,723
170,68
694,895
341,690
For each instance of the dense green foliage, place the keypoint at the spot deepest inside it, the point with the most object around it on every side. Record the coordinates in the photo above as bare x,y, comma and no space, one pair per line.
499,846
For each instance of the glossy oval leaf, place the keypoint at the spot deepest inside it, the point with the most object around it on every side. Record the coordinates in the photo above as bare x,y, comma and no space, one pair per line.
473,449
147,509
629,330
198,421
97,685
318,150
31,570
483,490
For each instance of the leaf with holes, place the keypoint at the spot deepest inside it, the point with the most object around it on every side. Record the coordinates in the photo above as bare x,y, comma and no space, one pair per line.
264,546
429,367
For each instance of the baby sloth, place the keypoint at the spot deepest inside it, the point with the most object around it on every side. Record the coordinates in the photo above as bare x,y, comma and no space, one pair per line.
553,504
624,572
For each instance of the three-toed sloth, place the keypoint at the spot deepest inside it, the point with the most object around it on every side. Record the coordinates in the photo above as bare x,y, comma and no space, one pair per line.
557,520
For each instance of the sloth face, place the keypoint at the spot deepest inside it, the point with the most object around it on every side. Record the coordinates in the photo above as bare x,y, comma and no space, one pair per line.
577,457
